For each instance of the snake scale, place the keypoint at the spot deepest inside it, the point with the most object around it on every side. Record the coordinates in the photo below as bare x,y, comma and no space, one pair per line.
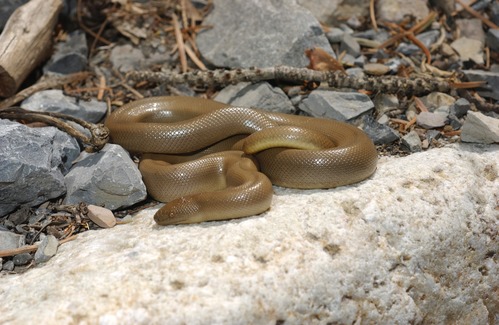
214,161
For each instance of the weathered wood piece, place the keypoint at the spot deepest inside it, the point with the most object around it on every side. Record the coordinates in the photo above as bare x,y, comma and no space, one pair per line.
26,41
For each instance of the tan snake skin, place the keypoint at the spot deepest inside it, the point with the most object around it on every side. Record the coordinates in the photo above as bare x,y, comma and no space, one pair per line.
290,151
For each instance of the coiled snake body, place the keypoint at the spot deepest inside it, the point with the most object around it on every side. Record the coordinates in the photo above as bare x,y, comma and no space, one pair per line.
204,157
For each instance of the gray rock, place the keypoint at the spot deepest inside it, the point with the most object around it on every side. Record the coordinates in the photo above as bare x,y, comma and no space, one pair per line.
340,106
454,122
411,142
335,35
360,61
348,59
429,120
22,259
9,240
471,28
46,249
8,266
385,103
442,110
32,162
20,216
126,58
460,107
54,100
260,95
350,45
107,178
494,12
70,56
469,49
277,32
432,135
491,89
346,28
480,128
379,133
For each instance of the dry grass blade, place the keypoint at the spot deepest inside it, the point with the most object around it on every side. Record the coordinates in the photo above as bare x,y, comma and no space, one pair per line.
194,58
180,43
373,15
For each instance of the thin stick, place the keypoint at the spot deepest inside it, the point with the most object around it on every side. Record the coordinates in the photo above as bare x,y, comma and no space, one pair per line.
194,58
42,84
214,78
85,28
30,248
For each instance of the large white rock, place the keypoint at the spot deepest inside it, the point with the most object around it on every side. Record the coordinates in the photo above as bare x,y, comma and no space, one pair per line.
418,242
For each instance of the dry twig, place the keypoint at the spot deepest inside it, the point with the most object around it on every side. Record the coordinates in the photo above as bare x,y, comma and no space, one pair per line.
42,84
99,133
335,79
30,248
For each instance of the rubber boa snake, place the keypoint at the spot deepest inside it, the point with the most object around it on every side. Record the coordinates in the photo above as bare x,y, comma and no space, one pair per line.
189,161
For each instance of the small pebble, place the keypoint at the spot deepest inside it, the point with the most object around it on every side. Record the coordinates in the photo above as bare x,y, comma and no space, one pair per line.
411,142
335,35
432,134
379,133
22,259
126,219
376,69
101,216
460,107
46,249
454,122
8,266
383,119
430,120
425,144
350,45
385,103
